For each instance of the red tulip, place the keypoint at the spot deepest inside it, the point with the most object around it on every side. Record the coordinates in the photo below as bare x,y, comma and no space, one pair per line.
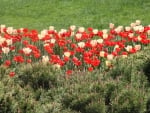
18,59
12,74
90,69
7,63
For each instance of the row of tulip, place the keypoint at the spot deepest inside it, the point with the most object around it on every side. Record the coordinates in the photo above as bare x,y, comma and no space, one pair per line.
73,48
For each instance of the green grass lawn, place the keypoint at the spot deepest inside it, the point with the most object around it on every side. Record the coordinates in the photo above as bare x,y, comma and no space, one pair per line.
40,14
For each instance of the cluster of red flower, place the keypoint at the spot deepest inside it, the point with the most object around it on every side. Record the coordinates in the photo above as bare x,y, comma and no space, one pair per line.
71,48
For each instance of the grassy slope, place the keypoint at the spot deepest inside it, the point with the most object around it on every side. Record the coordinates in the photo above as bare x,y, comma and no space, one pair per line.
39,14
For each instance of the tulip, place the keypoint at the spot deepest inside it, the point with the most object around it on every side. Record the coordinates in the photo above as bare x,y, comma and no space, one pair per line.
105,36
93,43
90,69
51,28
115,47
67,54
105,31
27,50
52,40
2,40
5,50
81,29
128,48
100,41
2,27
45,59
12,74
148,32
139,38
10,30
56,66
18,59
111,25
137,22
102,54
131,35
110,57
108,63
7,63
137,47
72,27
133,25
78,36
81,44
141,29
40,36
95,31
44,32
128,28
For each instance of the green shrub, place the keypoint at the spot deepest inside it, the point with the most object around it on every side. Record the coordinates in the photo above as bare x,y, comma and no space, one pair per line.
42,89
128,101
146,69
38,76
96,107
148,106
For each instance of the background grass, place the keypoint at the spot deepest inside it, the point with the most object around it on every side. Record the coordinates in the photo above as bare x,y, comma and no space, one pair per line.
39,14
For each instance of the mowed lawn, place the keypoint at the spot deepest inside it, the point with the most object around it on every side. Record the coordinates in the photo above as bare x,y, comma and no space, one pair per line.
40,14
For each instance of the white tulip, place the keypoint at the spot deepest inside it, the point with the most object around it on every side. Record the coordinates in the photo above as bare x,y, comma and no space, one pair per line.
137,22
102,53
128,48
100,41
93,43
81,29
10,30
137,47
95,31
2,40
72,27
27,50
9,41
110,57
105,36
127,28
81,44
5,50
78,35
111,25
45,59
67,54
51,28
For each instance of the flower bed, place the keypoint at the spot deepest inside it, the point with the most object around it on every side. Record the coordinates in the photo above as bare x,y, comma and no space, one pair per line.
73,48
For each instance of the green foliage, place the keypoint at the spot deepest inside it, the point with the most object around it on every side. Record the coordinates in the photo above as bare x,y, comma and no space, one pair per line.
96,107
148,106
146,69
38,76
43,89
63,13
128,101
3,71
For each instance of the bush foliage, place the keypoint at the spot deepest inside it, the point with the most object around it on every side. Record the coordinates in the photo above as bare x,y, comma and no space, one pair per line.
42,89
